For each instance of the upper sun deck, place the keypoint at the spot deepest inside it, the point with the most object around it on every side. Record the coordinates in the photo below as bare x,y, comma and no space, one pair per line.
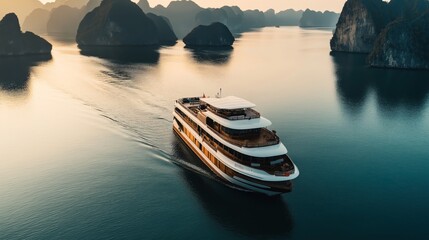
231,108
228,103
232,119
231,112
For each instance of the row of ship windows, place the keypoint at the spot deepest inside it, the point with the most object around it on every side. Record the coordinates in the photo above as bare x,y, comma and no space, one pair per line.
245,159
210,156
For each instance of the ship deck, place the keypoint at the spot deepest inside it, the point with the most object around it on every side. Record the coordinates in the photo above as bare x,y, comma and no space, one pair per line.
263,139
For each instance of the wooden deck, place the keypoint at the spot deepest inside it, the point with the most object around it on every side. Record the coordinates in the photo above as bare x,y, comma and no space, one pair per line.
263,139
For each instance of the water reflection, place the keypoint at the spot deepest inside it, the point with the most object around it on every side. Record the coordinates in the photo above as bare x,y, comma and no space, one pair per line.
123,55
61,38
121,60
393,89
250,214
15,71
217,56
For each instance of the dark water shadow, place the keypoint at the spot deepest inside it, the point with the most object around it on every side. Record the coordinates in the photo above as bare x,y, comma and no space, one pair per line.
250,214
16,71
394,89
215,56
123,55
123,61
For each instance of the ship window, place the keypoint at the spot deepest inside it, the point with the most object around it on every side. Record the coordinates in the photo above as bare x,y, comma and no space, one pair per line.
255,164
272,163
242,133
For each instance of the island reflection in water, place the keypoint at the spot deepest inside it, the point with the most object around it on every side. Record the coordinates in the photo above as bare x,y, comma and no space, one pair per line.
15,71
119,59
233,208
394,89
123,55
215,56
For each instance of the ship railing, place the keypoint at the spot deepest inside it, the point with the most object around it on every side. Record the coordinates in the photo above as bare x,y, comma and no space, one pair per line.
187,108
188,121
247,143
211,143
249,114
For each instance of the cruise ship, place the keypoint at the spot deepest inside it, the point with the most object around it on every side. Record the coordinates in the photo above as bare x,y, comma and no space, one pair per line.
234,141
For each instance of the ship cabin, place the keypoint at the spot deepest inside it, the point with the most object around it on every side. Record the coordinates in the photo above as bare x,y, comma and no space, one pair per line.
235,121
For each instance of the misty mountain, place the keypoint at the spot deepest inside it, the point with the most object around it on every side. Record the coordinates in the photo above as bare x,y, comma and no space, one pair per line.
144,5
210,15
91,5
253,19
20,7
318,19
288,17
234,17
37,21
62,19
186,15
71,3
181,15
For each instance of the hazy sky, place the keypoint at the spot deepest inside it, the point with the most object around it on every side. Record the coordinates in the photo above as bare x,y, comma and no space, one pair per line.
321,5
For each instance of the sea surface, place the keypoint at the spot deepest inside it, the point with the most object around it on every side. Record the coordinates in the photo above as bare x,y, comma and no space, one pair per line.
87,149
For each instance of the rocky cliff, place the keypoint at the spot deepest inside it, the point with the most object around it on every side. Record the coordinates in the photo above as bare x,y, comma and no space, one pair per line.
360,22
214,35
14,42
403,44
117,23
395,34
164,29
37,21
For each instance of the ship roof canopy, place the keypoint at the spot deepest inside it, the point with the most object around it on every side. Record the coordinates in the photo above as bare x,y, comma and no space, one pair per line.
240,124
228,103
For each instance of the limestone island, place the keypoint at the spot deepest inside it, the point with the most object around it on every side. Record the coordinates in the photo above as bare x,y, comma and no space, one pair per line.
123,23
13,42
213,35
394,34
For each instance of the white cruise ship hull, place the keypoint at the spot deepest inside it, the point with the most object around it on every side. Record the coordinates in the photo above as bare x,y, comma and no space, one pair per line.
226,169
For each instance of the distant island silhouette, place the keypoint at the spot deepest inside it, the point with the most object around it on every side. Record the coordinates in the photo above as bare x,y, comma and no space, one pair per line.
122,23
213,35
186,15
59,17
64,16
13,42
312,18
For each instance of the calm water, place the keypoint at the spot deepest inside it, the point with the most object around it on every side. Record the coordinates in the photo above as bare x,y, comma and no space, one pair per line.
87,150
